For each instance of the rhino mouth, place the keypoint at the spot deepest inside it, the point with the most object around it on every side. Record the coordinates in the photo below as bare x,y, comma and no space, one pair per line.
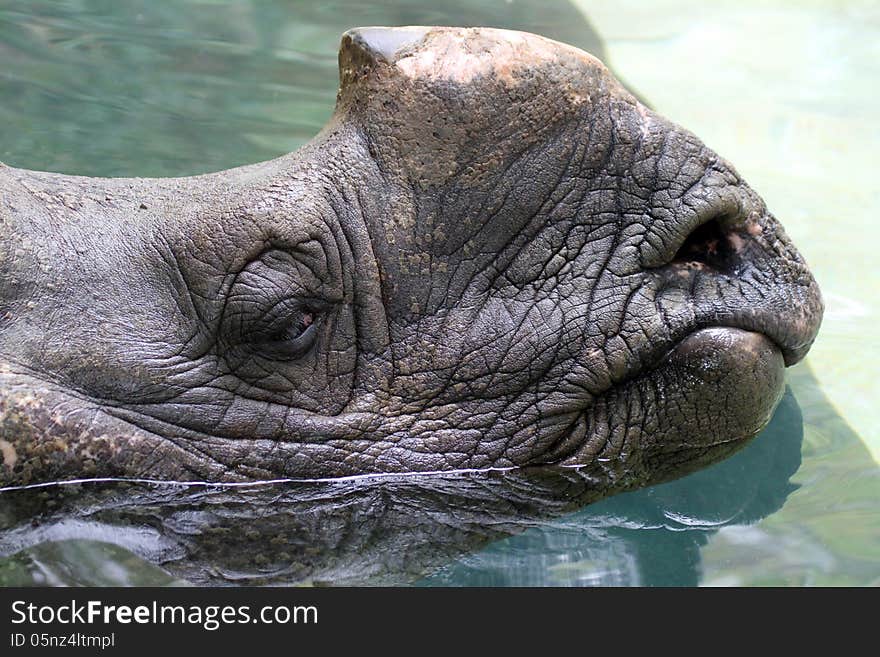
736,250
702,400
739,375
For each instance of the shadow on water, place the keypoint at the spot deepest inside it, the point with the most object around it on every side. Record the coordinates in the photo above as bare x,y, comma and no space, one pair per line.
397,530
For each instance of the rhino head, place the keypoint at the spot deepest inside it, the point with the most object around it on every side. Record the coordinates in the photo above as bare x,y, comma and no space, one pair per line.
492,256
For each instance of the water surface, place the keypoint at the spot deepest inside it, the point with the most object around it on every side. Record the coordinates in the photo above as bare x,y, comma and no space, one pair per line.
178,87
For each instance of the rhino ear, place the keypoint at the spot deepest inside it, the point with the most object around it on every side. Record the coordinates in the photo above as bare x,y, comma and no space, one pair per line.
364,48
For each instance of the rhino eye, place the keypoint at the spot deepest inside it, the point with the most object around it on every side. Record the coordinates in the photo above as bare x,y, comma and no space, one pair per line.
273,313
287,332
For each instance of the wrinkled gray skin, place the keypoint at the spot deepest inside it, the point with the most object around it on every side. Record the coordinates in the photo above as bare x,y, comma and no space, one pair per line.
492,256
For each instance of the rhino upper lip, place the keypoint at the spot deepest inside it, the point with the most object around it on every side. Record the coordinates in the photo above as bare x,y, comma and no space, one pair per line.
659,356
791,353
714,248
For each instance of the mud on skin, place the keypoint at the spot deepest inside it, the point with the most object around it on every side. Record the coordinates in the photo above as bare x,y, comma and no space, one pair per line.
492,256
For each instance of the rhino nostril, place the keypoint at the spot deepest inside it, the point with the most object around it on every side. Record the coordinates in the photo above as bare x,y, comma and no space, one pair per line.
709,244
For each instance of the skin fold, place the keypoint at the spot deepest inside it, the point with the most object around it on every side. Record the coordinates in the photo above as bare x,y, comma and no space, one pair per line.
493,256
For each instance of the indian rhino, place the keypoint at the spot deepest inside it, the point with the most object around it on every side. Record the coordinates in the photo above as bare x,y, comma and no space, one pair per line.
493,256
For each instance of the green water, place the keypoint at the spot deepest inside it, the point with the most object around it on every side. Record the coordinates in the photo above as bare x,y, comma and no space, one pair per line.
177,87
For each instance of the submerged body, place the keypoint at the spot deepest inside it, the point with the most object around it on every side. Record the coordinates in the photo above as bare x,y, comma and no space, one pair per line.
492,256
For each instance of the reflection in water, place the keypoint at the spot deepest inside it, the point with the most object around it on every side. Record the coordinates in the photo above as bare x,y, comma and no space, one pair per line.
399,529
650,537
